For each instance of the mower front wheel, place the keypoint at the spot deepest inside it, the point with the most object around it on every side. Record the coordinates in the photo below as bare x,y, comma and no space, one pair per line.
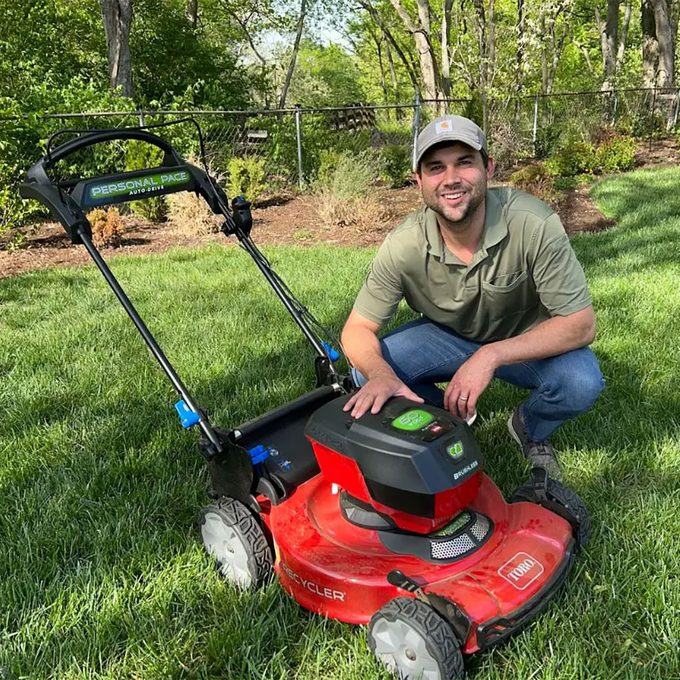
571,502
414,642
234,537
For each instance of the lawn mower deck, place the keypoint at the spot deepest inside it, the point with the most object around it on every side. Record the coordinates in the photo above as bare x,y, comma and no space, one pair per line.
387,519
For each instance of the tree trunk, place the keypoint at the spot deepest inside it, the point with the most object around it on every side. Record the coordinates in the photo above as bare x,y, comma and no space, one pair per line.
383,80
650,45
609,40
519,58
410,67
293,56
658,40
665,35
192,12
624,35
117,16
485,37
421,36
446,56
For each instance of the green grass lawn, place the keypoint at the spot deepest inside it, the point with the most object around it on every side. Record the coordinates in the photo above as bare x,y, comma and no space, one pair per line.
102,574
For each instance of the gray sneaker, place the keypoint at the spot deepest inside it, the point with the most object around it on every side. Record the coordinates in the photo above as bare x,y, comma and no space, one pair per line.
539,454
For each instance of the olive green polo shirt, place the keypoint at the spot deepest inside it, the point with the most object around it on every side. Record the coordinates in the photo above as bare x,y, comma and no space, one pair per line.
523,271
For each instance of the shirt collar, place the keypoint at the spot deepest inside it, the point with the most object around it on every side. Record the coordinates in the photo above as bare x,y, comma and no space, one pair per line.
495,230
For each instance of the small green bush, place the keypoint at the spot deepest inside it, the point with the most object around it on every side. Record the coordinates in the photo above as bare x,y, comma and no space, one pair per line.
245,177
613,153
616,154
537,180
576,158
346,176
547,140
139,156
395,162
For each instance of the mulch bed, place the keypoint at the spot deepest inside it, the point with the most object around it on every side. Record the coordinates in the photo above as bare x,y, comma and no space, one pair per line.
292,220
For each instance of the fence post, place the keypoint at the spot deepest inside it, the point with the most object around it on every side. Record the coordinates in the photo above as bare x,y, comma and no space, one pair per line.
534,132
298,134
142,121
676,104
416,127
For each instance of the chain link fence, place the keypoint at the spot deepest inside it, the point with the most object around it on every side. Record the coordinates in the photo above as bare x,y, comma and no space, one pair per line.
290,144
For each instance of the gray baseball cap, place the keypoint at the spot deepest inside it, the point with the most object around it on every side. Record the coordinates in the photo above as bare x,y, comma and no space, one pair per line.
449,129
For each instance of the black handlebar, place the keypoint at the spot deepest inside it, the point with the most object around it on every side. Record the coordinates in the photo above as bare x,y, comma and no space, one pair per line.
99,136
67,201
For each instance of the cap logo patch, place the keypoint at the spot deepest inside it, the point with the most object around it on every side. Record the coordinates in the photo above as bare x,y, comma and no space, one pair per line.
443,126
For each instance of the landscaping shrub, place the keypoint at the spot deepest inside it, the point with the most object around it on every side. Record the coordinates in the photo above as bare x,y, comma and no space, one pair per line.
345,175
616,154
246,178
107,227
547,140
611,153
395,164
191,214
537,180
576,158
344,188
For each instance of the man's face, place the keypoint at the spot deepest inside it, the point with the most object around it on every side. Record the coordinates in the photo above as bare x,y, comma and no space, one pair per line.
452,180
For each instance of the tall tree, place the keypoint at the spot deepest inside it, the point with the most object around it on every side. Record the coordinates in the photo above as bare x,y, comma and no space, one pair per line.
421,31
612,40
192,12
304,6
117,15
658,43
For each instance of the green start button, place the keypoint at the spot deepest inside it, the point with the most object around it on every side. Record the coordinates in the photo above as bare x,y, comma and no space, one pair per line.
412,420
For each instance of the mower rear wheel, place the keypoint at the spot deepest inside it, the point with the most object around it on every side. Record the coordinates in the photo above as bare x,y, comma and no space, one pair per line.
564,497
414,642
234,537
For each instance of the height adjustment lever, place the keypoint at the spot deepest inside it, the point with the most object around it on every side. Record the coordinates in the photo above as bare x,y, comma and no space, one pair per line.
243,218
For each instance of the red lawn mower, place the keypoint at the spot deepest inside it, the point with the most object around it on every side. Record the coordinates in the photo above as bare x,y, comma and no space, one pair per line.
386,520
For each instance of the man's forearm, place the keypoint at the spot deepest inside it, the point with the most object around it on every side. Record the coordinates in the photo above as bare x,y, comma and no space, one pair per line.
554,336
362,347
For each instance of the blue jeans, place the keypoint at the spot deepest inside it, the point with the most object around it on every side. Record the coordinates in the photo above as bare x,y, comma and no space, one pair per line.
423,353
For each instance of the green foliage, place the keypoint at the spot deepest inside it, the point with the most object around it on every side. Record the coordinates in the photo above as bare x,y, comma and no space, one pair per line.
576,158
245,177
396,164
537,180
616,154
547,140
325,75
140,156
345,175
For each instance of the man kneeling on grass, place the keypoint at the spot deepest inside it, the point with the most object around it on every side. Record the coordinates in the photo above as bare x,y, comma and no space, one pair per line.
500,293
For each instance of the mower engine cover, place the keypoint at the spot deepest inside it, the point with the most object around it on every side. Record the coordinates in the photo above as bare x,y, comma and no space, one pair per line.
415,464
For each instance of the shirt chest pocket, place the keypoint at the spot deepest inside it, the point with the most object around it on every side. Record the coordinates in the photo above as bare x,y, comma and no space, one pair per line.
508,295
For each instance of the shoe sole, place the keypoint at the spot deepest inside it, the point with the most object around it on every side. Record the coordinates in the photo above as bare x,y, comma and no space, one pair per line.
557,474
512,432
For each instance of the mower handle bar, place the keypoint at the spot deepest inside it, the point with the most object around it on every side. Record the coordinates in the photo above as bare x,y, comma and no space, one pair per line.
99,136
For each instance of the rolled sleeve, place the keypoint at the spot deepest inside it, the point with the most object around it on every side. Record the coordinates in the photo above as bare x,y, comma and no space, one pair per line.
558,276
382,290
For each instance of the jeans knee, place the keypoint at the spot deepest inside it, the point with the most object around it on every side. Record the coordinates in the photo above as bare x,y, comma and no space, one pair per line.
589,386
581,388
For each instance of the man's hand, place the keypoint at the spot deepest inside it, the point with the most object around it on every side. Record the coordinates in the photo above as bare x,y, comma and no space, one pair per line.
468,383
376,392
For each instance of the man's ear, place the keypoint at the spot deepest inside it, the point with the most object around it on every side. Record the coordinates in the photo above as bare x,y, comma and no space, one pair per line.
416,174
490,167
